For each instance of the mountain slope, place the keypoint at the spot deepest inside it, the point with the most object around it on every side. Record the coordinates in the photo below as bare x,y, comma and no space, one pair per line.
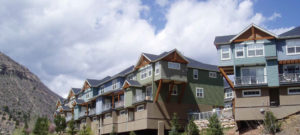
23,92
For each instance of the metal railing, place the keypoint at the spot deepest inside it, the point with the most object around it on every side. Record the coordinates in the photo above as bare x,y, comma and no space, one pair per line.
119,104
92,111
250,80
289,78
106,106
203,115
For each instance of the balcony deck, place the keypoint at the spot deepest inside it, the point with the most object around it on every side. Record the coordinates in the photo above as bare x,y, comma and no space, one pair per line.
246,81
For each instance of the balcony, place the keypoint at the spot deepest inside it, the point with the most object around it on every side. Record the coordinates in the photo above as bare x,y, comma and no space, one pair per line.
92,111
141,97
106,107
68,118
250,80
289,78
82,114
119,104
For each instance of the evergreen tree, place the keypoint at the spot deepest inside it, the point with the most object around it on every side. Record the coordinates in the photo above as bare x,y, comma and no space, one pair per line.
192,128
71,127
214,126
85,131
270,123
60,123
174,125
41,126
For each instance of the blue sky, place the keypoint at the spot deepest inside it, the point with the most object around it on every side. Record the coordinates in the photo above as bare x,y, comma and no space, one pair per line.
66,41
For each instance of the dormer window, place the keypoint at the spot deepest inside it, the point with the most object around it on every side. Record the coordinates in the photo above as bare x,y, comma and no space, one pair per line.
225,52
174,65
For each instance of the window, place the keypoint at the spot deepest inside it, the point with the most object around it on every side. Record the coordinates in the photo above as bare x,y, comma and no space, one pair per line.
225,53
228,93
174,91
107,115
199,93
255,50
239,51
292,68
146,72
101,89
212,74
140,108
174,65
131,77
251,93
114,84
195,74
292,91
123,112
292,49
157,68
252,75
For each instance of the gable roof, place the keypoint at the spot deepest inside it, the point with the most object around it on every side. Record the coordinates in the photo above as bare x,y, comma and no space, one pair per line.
93,82
196,64
76,90
123,73
132,83
79,101
293,33
227,39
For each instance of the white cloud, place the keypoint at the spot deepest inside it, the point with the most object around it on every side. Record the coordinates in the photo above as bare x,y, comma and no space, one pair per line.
281,30
65,42
274,16
162,2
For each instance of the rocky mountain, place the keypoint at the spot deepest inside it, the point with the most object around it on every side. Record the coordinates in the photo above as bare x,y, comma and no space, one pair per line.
22,92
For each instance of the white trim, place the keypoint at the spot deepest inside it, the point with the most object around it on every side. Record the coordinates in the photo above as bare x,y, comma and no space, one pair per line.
235,50
263,47
252,95
140,108
225,46
201,89
292,88
295,46
197,74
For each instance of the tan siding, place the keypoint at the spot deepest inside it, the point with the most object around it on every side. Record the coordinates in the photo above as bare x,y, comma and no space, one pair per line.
262,100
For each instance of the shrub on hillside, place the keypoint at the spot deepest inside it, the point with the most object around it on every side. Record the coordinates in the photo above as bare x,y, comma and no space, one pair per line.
214,126
271,125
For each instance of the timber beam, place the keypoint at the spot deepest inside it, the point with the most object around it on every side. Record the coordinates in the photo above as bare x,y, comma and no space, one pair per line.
226,78
158,90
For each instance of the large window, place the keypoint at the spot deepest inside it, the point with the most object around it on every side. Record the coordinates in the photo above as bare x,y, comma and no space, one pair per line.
239,51
251,93
114,84
174,65
252,75
146,72
157,68
199,92
195,74
255,50
225,53
294,91
175,90
293,49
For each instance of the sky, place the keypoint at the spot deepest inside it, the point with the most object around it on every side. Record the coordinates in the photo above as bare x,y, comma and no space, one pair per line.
64,42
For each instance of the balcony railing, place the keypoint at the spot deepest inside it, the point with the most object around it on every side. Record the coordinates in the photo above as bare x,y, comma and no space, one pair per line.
250,80
119,104
141,97
289,78
106,106
92,111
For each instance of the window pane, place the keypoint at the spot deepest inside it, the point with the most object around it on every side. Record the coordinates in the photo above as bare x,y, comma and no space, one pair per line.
225,55
240,54
291,49
298,49
251,52
259,52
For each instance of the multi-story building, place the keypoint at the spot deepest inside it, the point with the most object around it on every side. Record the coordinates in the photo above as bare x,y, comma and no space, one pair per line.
143,97
266,71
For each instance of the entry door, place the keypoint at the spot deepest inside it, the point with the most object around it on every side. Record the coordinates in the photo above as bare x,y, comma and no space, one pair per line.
274,97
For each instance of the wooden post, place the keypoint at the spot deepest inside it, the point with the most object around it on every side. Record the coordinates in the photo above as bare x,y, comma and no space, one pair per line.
158,90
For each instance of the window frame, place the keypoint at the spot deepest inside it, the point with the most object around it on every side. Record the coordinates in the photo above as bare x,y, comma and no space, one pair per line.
157,68
201,91
295,47
293,88
175,64
101,89
255,49
243,93
197,74
114,84
229,51
243,47
214,76
138,108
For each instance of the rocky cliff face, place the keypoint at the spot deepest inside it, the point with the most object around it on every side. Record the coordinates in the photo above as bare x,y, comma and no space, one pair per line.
23,92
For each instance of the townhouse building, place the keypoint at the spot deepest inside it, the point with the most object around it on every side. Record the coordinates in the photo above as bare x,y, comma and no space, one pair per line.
265,69
143,97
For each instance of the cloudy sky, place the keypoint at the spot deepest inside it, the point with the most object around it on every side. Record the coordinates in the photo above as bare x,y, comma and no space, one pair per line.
66,41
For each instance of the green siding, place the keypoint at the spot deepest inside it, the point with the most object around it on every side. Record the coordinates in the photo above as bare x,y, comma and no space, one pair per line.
128,97
173,74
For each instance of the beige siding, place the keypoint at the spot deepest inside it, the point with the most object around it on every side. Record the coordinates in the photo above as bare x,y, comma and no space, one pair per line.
262,100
